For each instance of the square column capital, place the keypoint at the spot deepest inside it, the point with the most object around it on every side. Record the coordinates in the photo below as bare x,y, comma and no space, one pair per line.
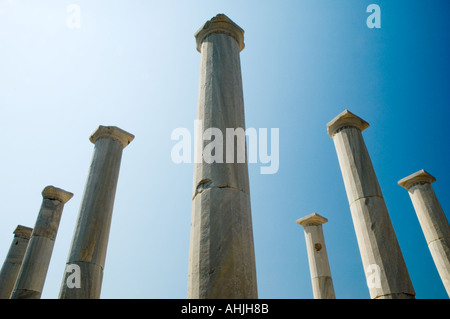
113,132
421,176
220,24
313,219
346,118
23,232
51,192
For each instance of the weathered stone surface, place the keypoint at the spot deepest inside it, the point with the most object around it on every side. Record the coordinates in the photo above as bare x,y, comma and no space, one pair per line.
356,166
323,287
319,266
220,106
221,259
32,274
91,235
376,237
32,278
14,258
379,246
432,219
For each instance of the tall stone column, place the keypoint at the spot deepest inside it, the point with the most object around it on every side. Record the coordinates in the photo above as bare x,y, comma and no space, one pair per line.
11,266
380,252
31,278
221,255
432,220
90,239
319,266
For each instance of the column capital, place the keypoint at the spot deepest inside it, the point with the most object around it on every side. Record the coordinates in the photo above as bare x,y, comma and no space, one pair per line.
51,192
346,118
313,219
421,176
112,132
23,232
220,24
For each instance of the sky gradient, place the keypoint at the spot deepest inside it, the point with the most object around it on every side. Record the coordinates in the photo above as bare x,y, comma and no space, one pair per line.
133,64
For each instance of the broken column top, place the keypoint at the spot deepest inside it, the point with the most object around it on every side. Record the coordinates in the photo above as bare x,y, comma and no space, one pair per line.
313,219
23,232
346,118
418,177
51,192
220,24
112,132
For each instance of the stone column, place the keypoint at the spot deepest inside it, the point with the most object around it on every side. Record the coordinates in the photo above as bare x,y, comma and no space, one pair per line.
385,268
221,255
90,239
319,266
432,220
11,266
31,278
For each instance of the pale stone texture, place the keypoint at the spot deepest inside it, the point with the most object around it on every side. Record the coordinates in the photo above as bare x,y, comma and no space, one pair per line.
432,219
376,237
90,239
221,256
319,266
11,266
32,274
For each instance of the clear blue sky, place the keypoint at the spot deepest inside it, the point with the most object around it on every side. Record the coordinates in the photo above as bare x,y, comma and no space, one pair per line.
133,64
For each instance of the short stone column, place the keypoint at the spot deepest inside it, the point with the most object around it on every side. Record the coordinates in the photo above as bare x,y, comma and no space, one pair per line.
11,266
432,219
90,239
31,278
384,266
319,266
221,255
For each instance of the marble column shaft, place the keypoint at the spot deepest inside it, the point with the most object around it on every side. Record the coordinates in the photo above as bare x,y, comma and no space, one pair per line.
376,237
91,235
319,266
11,266
32,274
221,256
432,219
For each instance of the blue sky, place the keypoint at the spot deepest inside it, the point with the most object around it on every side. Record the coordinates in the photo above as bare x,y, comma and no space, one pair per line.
133,64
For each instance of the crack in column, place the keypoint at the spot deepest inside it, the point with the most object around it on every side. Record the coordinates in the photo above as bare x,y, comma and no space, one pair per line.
204,185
